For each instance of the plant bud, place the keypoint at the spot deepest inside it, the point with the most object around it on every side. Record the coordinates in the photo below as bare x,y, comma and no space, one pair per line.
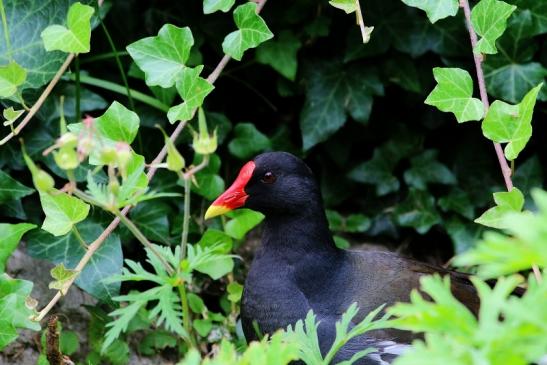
123,155
204,143
114,186
43,181
66,158
175,161
85,145
68,139
108,155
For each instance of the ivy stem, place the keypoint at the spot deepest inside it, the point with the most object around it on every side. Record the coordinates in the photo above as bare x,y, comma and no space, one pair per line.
6,29
78,85
186,216
142,238
40,100
505,169
79,237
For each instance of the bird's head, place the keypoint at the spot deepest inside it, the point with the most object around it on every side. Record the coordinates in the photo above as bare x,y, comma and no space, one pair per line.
271,183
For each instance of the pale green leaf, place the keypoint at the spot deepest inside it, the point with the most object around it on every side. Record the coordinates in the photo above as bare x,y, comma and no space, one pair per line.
163,57
280,53
435,9
506,202
454,93
62,277
11,115
489,18
193,89
75,37
511,124
11,235
211,6
252,30
62,212
243,220
349,6
118,123
11,77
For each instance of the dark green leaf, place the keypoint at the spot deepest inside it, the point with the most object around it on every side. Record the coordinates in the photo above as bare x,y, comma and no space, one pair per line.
11,189
248,141
426,169
417,211
280,53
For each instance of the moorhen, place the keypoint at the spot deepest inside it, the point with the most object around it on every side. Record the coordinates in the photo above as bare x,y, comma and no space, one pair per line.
298,267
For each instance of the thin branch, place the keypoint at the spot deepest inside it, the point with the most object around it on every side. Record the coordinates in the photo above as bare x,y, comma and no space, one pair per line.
40,100
505,169
93,247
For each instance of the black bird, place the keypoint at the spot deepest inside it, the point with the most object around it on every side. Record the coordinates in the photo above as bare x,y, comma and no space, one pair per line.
298,267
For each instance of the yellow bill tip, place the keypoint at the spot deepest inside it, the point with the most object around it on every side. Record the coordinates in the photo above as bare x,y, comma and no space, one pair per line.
216,210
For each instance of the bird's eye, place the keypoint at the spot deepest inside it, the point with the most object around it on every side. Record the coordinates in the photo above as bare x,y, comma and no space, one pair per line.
268,178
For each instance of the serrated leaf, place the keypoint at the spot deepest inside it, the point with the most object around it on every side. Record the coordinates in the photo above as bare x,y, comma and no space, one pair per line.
211,6
417,211
435,9
489,18
11,235
11,77
62,276
193,89
11,189
14,312
506,202
68,249
281,54
62,212
454,93
11,115
349,6
511,124
426,169
252,30
248,141
163,57
75,37
335,90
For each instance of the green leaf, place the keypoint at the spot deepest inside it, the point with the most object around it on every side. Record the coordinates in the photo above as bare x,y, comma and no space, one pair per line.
209,184
14,308
75,37
118,123
155,342
211,6
511,124
425,169
106,261
241,222
235,291
457,201
163,57
11,235
537,9
193,89
435,9
62,212
11,189
203,326
69,342
11,77
248,141
454,93
281,54
11,115
489,18
62,276
196,303
349,6
151,218
218,244
252,30
417,211
333,91
506,202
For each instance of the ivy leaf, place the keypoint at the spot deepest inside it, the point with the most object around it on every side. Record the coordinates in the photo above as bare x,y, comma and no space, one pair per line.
417,211
14,309
435,9
538,9
457,201
118,123
210,6
11,235
62,212
426,169
11,115
454,93
248,141
489,18
281,54
209,184
512,124
11,77
11,189
62,276
151,218
349,6
333,90
252,31
506,202
235,291
241,222
163,57
193,89
75,37
68,249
